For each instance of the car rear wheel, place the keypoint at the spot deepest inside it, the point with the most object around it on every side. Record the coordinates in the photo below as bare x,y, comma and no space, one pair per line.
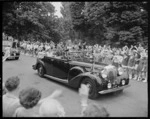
92,88
40,70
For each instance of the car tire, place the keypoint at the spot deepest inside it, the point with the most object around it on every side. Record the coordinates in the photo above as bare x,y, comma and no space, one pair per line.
16,58
93,91
40,70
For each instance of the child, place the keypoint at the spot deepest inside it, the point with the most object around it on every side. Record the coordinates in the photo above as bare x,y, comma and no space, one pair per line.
30,101
145,69
10,101
29,98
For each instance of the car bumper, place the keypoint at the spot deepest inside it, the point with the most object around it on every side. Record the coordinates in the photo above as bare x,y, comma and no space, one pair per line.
113,90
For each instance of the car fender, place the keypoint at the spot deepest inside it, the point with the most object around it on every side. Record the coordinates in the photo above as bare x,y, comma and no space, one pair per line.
40,62
74,69
78,68
76,81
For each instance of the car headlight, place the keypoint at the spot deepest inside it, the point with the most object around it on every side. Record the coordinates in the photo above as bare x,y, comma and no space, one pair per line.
120,70
123,82
103,74
109,85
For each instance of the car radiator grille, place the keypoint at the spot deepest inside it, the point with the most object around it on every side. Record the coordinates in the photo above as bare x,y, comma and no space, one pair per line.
112,76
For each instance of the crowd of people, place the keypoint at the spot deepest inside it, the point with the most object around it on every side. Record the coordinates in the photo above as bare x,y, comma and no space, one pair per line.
30,104
134,59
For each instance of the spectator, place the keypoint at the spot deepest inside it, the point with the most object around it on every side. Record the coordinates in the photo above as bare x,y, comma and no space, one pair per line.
10,101
29,98
140,68
131,64
30,101
94,110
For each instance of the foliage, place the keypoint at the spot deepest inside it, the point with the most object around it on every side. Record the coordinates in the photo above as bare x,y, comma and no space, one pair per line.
123,23
30,20
111,22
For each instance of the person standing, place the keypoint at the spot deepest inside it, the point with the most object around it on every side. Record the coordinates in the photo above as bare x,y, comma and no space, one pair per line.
131,64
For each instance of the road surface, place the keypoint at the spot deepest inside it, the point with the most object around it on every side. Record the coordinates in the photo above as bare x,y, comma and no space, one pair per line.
133,102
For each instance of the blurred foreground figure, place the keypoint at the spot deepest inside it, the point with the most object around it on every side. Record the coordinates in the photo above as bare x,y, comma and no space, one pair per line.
94,110
10,101
90,110
29,98
51,108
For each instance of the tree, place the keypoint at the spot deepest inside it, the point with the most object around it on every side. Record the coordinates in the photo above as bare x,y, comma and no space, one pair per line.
126,20
30,19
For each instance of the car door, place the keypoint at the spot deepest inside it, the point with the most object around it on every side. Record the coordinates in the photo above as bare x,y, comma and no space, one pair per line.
60,68
48,61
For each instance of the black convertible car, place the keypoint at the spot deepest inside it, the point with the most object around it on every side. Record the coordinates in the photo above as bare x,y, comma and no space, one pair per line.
101,78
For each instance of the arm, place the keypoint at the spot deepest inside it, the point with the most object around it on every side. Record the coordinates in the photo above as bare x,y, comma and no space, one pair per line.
84,92
55,94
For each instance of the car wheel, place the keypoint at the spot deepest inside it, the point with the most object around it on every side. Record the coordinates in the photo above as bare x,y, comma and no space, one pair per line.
41,70
92,88
16,58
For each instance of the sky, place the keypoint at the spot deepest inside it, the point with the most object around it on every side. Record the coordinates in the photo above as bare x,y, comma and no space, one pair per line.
57,8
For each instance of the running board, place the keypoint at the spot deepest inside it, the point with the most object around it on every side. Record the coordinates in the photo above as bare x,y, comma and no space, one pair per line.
57,79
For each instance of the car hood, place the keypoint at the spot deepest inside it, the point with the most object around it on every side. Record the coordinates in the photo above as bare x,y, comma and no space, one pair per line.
84,64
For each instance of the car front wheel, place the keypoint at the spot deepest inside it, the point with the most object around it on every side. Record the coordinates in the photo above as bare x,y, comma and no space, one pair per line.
41,70
92,87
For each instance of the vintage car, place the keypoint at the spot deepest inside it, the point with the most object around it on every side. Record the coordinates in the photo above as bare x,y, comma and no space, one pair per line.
12,48
100,78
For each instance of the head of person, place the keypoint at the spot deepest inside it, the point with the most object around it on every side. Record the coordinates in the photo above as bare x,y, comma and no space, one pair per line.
94,110
51,108
12,83
29,97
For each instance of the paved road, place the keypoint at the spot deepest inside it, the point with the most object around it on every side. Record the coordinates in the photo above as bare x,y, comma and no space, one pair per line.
133,102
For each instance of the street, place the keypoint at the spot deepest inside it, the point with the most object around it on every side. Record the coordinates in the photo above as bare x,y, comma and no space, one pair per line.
133,102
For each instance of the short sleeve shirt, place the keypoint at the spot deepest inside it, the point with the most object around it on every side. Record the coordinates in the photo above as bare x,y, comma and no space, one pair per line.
10,104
